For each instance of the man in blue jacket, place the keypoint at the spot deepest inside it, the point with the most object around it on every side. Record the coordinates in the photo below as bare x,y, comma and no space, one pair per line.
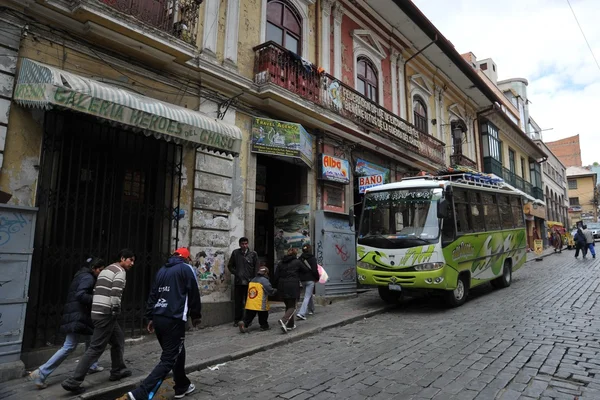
174,293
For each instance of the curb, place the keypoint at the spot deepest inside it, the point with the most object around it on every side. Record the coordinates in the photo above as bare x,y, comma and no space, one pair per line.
128,385
541,257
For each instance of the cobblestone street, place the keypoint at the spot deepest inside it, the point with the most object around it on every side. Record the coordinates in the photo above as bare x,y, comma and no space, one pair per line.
537,339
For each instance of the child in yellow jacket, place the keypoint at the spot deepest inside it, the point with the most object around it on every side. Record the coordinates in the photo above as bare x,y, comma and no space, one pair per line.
259,290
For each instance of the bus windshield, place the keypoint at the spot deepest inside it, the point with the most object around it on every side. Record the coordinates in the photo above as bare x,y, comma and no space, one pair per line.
400,218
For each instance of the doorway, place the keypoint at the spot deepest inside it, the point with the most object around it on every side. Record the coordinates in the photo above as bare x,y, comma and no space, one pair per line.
278,183
101,188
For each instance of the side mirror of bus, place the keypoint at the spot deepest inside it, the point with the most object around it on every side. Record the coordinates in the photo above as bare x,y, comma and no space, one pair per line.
442,208
351,216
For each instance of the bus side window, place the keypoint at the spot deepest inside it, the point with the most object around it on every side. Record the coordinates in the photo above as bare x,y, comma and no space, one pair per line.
476,209
463,216
448,228
505,211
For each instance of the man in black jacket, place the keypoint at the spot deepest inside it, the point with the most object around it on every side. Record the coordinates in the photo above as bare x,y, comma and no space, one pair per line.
76,322
175,290
243,264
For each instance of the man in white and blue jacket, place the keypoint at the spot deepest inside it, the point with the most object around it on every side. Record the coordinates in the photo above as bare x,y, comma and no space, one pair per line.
174,295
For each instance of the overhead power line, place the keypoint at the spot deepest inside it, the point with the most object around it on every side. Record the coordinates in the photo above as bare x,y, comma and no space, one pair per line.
583,34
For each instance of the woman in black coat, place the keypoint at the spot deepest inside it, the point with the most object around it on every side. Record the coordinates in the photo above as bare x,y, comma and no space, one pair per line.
287,280
76,320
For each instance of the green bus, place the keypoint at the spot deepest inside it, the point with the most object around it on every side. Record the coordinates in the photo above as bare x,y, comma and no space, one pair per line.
444,234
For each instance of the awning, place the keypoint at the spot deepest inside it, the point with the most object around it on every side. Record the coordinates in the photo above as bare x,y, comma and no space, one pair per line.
42,86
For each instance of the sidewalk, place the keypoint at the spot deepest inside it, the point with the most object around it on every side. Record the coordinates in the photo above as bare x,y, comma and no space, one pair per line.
204,348
531,256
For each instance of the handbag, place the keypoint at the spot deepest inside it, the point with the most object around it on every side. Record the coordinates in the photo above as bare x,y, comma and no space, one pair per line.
323,277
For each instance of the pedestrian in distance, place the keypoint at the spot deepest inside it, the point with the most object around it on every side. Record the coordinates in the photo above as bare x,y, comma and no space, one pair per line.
309,275
589,240
580,243
174,295
242,264
76,322
287,281
106,308
257,302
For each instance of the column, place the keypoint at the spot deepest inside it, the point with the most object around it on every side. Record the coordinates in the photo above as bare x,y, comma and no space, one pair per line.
324,62
394,70
401,87
231,32
211,21
338,14
439,103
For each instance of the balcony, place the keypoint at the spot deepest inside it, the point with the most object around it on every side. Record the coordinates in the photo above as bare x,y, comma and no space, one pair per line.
538,193
178,18
492,166
277,65
461,159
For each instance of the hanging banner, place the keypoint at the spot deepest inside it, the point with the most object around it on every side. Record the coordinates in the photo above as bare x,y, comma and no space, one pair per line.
280,138
376,174
335,169
365,182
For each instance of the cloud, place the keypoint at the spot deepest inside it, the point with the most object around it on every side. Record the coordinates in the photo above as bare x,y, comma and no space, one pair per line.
538,40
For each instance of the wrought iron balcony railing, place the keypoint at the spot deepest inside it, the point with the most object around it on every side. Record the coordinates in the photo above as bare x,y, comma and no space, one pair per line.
461,159
277,65
175,17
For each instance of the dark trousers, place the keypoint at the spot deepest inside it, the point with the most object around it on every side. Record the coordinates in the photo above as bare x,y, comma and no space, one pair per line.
583,250
263,318
106,331
290,311
170,333
239,300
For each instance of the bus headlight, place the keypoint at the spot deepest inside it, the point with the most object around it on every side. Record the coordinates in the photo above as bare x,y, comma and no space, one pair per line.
429,266
364,265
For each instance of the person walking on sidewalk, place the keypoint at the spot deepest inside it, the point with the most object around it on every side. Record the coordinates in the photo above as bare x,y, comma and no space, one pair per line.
174,293
287,281
309,275
76,322
106,307
580,243
589,240
257,302
243,264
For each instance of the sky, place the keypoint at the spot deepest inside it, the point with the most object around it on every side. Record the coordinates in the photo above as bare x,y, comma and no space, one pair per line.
538,40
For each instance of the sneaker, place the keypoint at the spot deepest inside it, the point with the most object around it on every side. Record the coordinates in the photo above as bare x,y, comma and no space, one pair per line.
289,328
311,313
265,328
189,390
300,316
124,373
37,380
284,328
95,370
242,327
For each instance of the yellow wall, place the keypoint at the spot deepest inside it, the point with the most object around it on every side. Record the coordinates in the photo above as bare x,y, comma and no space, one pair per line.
585,192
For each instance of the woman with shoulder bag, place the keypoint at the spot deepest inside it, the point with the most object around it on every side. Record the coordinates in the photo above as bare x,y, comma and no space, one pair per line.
309,274
287,282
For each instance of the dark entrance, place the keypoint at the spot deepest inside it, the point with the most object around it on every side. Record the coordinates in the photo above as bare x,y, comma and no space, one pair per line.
101,188
278,183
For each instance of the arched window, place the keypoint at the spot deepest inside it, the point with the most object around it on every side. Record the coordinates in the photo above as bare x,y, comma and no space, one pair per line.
284,25
366,79
420,114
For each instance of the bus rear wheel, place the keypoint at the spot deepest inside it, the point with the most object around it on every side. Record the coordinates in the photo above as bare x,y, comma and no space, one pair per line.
389,296
505,280
458,296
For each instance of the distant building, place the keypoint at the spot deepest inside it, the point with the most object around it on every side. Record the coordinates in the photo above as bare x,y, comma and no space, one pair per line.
568,151
583,198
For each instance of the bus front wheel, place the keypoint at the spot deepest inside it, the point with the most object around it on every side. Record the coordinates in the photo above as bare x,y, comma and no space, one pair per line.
389,296
458,296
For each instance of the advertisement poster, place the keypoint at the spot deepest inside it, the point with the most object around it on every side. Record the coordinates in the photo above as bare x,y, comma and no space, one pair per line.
538,246
376,174
335,169
280,138
292,229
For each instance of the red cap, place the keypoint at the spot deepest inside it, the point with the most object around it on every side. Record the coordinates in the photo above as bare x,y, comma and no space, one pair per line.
183,252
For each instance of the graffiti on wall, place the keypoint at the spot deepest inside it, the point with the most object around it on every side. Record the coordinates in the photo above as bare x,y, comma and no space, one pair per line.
210,271
10,225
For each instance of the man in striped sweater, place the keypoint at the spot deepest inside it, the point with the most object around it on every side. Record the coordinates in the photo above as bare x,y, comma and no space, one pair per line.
106,307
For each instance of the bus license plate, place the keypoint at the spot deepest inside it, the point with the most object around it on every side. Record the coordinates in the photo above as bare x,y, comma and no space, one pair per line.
395,288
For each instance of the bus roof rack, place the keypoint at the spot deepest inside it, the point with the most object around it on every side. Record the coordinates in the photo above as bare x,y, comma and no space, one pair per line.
470,178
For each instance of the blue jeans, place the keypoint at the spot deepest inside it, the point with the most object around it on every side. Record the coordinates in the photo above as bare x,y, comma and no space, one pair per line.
592,249
307,304
71,341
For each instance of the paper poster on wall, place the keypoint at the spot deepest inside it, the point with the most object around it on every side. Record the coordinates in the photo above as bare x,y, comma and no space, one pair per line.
292,228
